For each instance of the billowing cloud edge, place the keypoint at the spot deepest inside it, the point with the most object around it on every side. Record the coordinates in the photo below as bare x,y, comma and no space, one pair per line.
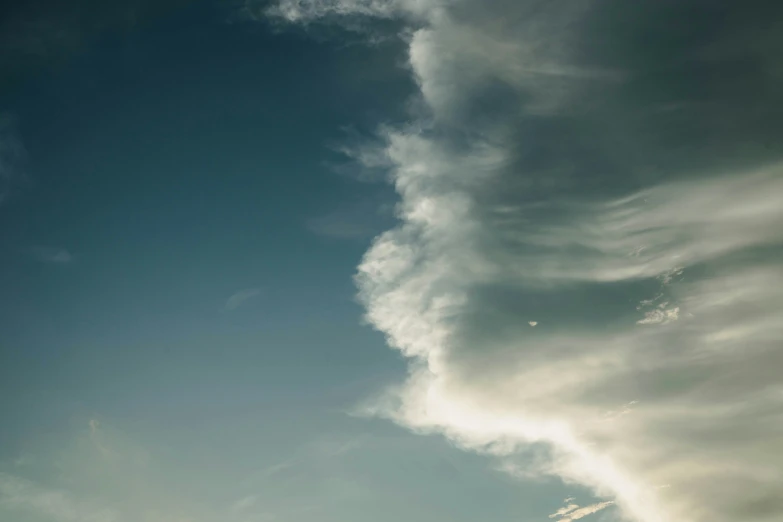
670,382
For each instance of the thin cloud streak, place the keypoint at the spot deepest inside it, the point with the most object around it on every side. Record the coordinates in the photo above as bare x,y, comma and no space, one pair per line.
24,495
240,298
571,511
244,503
582,512
361,220
99,475
53,255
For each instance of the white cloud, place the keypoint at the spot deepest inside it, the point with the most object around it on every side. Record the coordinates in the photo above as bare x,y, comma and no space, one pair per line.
561,167
564,510
660,316
240,297
304,11
428,287
573,512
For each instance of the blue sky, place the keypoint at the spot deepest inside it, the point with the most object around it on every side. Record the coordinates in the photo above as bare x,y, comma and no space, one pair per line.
390,259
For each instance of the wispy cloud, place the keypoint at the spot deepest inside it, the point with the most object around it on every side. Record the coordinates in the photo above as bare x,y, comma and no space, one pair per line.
628,195
361,220
572,512
58,505
314,478
54,255
244,503
240,298
100,475
309,10
322,450
564,510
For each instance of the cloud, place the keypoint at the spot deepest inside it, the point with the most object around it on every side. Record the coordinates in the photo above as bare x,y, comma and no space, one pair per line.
20,494
54,255
101,475
313,479
361,220
564,510
311,10
244,503
240,297
567,164
322,450
572,512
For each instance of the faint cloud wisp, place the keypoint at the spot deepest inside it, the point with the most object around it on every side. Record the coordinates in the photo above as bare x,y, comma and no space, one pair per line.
240,298
53,255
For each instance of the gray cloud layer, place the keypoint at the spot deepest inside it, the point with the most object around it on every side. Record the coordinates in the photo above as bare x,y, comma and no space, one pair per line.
611,170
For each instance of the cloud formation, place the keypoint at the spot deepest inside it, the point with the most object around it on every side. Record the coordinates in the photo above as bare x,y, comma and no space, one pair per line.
570,163
240,297
571,512
361,220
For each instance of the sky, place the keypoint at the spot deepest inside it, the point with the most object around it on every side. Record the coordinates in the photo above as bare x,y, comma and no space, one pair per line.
426,260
